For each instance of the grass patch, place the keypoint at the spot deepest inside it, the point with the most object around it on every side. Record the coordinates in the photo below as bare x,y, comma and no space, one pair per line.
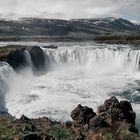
108,136
59,133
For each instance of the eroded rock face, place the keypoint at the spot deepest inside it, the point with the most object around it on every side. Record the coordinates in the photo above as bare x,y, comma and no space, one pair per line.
17,59
38,58
82,115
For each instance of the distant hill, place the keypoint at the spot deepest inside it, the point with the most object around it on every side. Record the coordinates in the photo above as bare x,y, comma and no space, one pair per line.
74,28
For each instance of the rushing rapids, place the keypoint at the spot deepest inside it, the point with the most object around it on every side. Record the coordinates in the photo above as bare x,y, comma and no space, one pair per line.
73,75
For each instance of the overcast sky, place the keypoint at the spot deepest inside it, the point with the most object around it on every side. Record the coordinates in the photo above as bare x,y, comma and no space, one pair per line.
68,9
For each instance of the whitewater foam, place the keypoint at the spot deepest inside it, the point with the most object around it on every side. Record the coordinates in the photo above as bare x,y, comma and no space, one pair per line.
5,71
76,75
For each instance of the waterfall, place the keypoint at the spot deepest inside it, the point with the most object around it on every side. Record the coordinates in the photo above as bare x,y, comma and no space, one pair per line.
28,58
75,74
121,58
124,58
5,70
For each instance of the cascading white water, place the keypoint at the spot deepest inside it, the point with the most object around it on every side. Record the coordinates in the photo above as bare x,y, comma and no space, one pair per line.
28,58
86,75
118,58
89,56
5,70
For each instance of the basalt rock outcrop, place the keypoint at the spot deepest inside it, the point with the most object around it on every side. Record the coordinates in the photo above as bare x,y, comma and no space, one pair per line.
82,115
112,118
38,58
112,110
17,59
107,114
33,57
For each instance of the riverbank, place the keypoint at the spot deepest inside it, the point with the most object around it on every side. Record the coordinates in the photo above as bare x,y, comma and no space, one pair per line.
109,39
114,120
122,39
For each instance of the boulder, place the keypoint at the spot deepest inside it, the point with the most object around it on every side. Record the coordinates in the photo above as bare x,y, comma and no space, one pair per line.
17,59
128,112
112,110
82,115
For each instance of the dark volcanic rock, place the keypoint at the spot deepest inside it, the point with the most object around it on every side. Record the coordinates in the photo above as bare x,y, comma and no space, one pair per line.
17,59
97,121
82,114
50,47
128,112
32,136
113,110
24,119
38,58
113,118
37,136
133,129
112,102
111,122
110,110
125,105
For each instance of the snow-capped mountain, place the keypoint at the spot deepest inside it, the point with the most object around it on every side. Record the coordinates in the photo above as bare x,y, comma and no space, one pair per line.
110,22
67,28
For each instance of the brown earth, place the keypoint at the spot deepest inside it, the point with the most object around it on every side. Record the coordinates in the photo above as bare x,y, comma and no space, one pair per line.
6,50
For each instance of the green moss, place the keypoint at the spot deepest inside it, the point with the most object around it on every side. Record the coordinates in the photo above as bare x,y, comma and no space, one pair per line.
59,133
108,136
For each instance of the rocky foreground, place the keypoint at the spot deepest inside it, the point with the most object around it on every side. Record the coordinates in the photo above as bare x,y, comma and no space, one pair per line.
114,120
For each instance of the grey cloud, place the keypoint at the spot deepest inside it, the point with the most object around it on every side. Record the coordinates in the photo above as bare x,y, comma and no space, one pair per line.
66,9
